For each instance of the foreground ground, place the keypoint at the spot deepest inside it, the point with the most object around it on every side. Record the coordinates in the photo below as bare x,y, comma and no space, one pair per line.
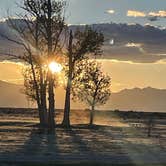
118,141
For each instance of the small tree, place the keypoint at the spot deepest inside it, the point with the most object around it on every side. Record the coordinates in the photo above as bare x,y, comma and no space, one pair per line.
91,85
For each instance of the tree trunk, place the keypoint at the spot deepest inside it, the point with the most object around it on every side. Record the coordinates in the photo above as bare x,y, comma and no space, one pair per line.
38,96
51,111
66,118
92,115
43,98
41,117
44,106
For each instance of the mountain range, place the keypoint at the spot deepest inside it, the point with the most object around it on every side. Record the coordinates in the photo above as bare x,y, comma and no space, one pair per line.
146,99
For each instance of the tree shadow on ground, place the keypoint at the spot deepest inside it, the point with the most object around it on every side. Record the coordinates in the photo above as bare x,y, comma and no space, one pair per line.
80,144
99,144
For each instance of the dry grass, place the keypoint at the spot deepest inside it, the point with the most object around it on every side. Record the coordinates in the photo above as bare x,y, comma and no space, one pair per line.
112,141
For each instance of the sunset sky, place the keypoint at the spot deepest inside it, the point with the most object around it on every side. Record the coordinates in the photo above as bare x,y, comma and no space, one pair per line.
125,73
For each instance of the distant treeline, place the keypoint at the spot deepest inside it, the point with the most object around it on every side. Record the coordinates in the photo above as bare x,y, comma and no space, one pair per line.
122,114
134,114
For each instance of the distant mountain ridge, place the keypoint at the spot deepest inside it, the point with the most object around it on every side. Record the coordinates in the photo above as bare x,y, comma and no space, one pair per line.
146,99
11,95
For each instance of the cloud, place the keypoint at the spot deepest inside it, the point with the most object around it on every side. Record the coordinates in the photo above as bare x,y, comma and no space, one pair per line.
132,52
133,45
110,11
136,45
151,16
154,16
134,13
12,63
160,13
3,19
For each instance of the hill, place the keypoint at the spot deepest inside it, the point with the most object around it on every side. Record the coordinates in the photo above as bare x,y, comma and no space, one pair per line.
11,95
147,99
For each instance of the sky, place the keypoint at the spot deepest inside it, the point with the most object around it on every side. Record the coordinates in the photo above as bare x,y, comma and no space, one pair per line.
124,74
98,11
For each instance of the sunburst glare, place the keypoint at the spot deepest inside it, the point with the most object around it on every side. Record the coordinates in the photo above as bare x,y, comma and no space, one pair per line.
55,67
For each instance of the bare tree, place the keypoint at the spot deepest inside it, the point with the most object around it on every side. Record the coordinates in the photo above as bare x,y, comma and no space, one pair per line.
80,44
91,85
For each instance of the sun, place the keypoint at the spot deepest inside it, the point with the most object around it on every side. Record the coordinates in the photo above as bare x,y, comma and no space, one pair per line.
55,67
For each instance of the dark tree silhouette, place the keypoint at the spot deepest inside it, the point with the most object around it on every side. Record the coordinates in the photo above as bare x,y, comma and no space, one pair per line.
40,31
27,35
91,85
50,15
80,44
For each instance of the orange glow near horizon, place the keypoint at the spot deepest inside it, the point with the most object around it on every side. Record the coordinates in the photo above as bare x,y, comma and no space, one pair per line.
124,74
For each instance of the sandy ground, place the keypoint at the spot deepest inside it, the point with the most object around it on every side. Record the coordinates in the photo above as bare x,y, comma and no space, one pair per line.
118,142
